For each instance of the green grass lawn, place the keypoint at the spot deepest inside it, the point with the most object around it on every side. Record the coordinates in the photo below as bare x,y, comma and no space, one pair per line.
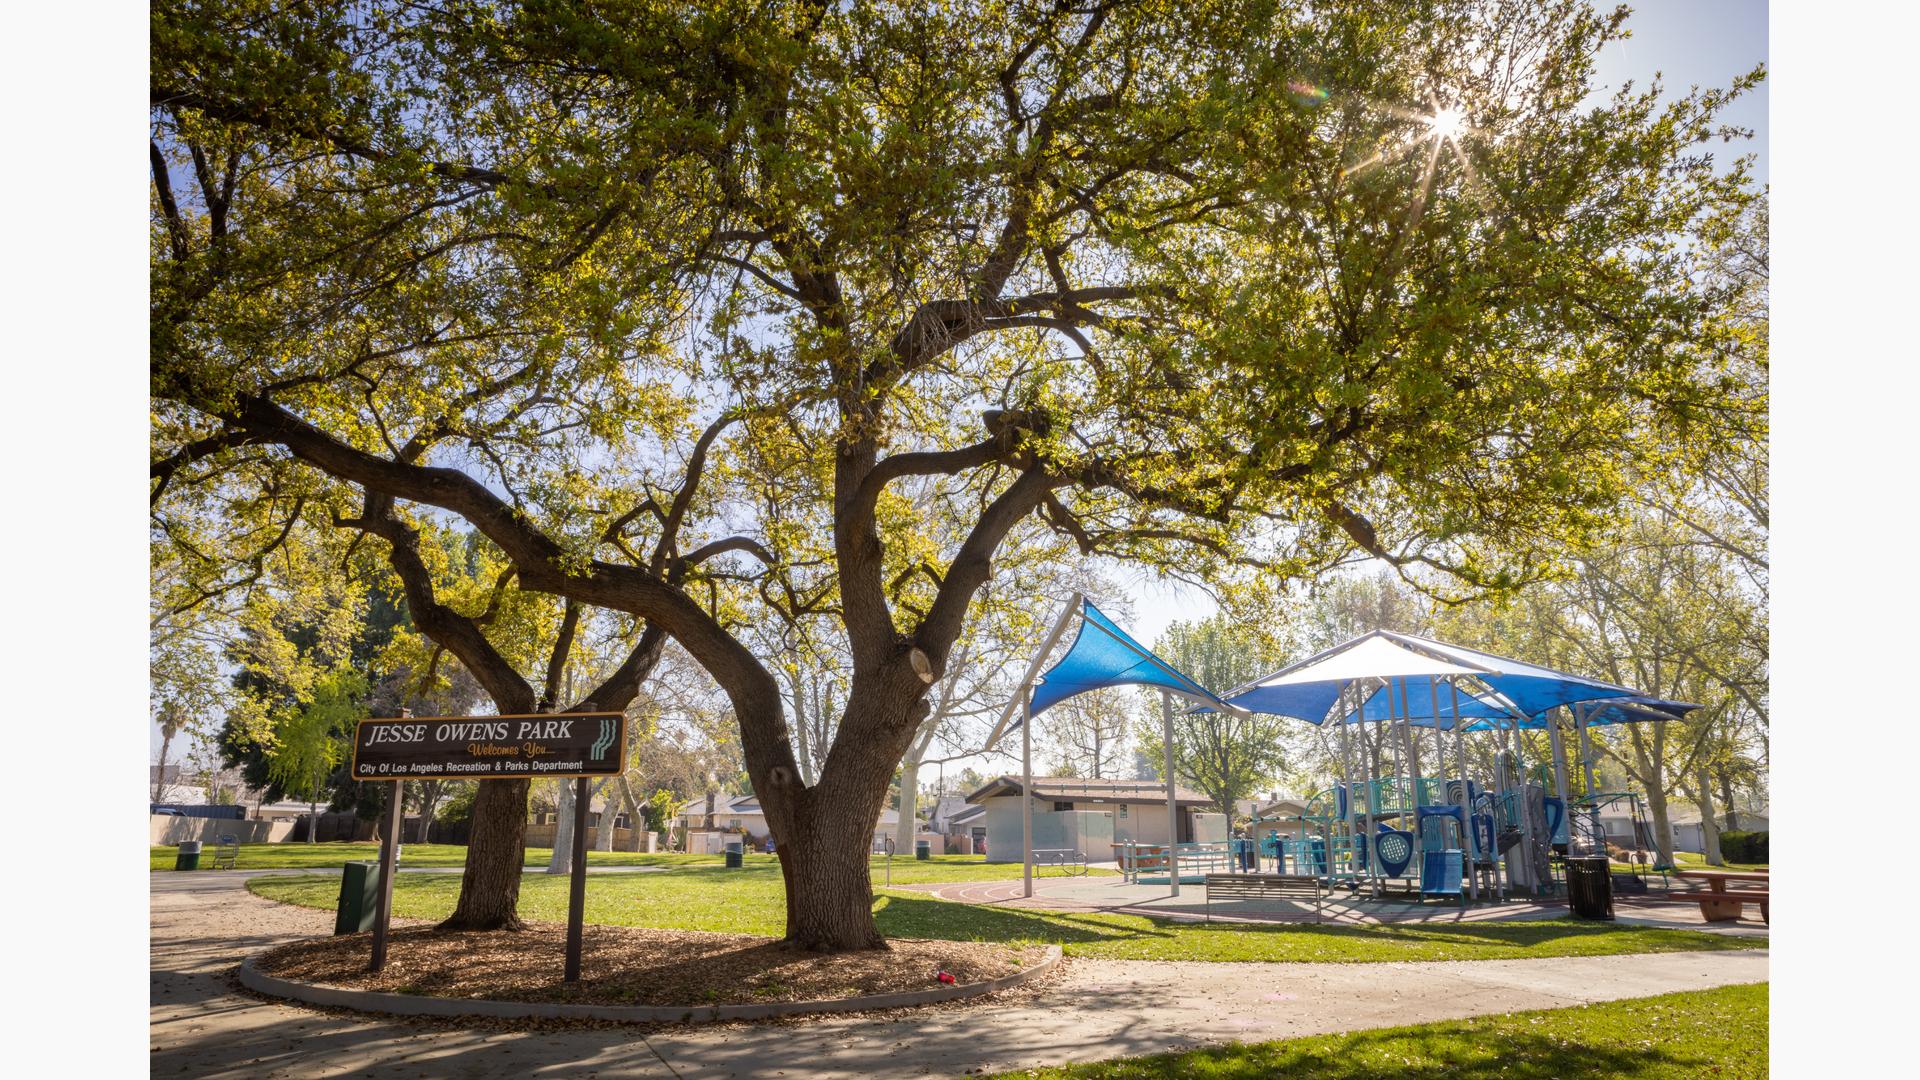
1719,1033
1693,860
706,896
906,869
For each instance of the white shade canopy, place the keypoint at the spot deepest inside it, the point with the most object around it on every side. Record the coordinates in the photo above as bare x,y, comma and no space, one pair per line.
1367,658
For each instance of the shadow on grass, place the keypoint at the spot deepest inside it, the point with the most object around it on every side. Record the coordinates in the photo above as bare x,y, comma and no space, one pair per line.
917,916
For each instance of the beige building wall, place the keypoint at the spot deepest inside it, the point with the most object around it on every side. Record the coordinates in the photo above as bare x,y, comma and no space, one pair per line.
167,829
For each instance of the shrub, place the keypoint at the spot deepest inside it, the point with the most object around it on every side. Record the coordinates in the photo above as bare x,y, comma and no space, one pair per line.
1744,847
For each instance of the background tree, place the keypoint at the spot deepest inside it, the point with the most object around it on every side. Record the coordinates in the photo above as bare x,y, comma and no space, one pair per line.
1228,755
1216,292
1087,733
310,741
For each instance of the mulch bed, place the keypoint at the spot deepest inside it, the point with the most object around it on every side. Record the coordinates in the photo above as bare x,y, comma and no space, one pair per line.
623,965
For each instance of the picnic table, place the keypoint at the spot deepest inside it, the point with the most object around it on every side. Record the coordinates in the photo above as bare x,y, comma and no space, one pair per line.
1719,903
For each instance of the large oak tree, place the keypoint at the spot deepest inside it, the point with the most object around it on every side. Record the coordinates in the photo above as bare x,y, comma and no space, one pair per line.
1228,287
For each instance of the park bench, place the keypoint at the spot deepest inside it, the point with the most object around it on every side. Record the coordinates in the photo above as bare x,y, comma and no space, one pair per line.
1719,903
1263,887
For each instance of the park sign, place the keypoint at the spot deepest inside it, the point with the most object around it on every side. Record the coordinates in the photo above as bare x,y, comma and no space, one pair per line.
490,747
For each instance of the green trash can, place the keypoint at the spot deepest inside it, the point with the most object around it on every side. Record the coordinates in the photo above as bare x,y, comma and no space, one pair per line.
734,859
359,898
188,857
923,850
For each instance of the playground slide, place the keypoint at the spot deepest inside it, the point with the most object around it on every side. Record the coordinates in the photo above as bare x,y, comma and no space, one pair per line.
1440,874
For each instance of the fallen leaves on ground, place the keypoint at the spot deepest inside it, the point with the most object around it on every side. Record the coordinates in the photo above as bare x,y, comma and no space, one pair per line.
623,965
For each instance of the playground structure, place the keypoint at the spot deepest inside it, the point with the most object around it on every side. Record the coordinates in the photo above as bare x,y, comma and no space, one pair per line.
1405,811
1428,833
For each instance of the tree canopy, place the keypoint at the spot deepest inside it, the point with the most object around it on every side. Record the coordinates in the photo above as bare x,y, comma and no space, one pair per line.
716,313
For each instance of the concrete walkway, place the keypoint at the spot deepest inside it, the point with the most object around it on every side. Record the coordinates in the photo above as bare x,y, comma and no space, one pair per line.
203,923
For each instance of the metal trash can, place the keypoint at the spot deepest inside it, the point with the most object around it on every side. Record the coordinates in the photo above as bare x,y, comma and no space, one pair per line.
923,850
734,859
188,857
359,898
1590,888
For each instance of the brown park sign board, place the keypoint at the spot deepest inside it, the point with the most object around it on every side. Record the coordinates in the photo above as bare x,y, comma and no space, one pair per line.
490,747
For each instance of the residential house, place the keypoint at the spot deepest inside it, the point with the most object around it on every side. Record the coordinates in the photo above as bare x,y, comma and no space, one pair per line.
1689,836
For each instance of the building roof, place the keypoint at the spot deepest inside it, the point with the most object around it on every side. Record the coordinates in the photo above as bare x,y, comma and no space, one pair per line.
722,804
749,806
1281,808
1083,789
961,817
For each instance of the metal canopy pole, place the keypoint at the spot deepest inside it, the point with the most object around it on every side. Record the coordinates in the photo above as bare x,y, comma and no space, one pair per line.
1406,739
1173,809
1586,769
1368,750
1586,748
1526,812
1346,777
1067,611
1559,749
1026,789
1466,800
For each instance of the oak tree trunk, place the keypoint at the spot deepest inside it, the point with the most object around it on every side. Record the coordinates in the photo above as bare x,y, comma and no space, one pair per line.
1662,826
823,861
1709,827
490,885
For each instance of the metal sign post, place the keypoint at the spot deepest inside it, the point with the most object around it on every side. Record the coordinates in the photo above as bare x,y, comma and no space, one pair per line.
389,848
577,888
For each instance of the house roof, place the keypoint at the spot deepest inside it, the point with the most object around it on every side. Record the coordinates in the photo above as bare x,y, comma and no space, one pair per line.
1279,808
961,817
1083,789
749,806
722,804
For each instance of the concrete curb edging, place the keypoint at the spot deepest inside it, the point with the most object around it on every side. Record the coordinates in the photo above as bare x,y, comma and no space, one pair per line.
253,978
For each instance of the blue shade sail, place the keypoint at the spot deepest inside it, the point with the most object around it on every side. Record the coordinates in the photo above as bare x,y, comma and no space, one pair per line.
1626,710
1103,655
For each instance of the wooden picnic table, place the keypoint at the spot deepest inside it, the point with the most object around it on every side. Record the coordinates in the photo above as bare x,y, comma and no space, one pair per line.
1721,904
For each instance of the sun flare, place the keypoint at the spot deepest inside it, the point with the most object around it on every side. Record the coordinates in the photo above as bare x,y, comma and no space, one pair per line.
1446,123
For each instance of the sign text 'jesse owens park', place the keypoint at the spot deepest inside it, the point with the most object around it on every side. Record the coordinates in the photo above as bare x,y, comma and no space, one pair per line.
486,747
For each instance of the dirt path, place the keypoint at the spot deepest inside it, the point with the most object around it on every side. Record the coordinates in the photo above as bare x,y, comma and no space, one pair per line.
202,1026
